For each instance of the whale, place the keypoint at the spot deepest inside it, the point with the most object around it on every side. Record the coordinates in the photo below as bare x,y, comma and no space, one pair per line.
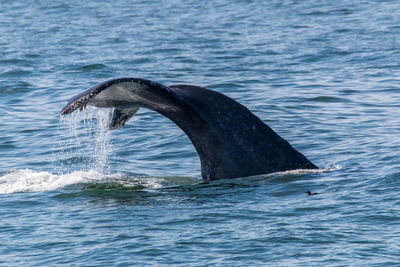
230,140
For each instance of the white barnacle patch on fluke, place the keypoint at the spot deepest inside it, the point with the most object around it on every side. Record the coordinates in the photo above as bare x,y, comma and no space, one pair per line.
80,103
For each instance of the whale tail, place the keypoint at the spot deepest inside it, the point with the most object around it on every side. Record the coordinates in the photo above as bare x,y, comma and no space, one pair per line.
230,140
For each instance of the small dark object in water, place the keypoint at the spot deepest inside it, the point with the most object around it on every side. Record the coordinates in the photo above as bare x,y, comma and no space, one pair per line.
311,193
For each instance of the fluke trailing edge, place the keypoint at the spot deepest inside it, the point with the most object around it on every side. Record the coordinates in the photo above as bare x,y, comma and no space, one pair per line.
230,140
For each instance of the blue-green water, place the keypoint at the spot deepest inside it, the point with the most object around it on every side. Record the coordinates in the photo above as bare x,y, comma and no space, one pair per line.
325,75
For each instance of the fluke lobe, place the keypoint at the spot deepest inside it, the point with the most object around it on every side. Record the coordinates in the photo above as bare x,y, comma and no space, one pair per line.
230,140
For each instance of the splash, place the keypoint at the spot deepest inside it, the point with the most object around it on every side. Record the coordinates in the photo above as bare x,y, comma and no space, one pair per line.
81,159
85,141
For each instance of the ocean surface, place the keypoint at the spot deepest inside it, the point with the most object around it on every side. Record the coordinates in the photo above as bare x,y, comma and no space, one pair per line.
325,75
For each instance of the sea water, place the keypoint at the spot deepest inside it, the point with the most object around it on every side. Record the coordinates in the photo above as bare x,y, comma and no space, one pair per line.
323,74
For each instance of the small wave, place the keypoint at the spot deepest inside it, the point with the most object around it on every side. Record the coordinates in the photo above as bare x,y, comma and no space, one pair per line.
89,67
326,99
17,72
15,61
293,173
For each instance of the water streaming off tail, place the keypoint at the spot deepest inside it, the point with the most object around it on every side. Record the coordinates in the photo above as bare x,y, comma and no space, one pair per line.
85,141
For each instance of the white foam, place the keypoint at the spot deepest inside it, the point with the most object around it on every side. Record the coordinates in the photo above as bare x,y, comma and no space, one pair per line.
31,181
39,181
288,173
305,171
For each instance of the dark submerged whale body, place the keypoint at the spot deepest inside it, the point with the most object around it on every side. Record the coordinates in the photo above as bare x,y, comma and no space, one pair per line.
231,141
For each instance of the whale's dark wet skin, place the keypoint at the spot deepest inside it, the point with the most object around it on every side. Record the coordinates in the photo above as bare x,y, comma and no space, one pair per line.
231,141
